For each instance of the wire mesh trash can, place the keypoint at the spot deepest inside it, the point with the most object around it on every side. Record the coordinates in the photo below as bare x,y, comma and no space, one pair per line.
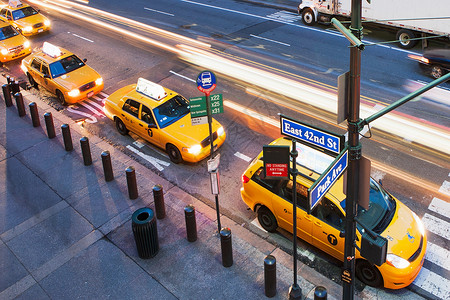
145,232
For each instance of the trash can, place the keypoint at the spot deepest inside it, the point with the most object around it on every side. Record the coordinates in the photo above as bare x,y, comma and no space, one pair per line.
145,232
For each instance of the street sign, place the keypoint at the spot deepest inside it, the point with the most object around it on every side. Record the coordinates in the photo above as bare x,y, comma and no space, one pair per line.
198,105
328,178
206,82
312,135
216,104
276,161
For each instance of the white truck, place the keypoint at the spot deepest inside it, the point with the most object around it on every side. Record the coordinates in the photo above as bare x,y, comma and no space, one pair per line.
408,18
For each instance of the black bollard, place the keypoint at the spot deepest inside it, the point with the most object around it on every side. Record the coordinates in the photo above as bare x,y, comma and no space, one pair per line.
11,83
34,114
86,151
67,137
7,95
131,182
49,124
15,88
8,79
320,293
20,105
270,276
107,166
158,196
227,248
191,224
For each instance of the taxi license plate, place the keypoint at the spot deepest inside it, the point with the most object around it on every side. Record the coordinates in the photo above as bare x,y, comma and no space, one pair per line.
40,30
90,94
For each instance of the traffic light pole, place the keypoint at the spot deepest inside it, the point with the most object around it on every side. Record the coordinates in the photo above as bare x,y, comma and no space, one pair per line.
354,155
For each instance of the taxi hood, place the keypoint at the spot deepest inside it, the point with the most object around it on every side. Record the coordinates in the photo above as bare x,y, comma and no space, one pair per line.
13,41
77,78
30,20
403,233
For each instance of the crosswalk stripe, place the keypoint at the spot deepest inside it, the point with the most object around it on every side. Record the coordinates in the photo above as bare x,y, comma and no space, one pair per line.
436,226
438,255
445,188
433,283
285,16
440,206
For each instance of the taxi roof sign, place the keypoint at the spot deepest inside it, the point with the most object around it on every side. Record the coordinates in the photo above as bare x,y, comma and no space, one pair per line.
15,3
51,50
150,89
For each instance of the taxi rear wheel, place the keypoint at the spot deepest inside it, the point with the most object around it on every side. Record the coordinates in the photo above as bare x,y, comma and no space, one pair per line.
174,154
368,273
267,219
61,98
32,82
121,128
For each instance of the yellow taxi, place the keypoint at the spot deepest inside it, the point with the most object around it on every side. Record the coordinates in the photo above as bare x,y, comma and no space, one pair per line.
162,117
25,18
62,73
323,227
13,45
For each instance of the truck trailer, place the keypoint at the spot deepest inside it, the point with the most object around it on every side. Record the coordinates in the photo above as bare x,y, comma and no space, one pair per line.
409,19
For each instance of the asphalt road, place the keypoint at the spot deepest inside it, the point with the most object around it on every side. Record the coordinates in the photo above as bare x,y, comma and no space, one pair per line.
412,173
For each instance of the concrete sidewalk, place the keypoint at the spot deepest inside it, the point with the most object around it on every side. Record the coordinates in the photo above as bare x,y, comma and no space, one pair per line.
66,232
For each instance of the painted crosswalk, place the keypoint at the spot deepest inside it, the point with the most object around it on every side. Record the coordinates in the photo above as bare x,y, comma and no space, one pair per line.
285,16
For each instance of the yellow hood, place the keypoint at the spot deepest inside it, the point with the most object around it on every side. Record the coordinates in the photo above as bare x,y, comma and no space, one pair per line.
77,78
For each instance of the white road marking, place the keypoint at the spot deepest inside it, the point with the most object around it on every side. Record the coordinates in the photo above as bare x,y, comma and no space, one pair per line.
83,38
85,104
182,76
96,105
154,161
438,255
158,11
433,283
440,206
266,39
286,16
138,144
243,156
89,118
445,188
103,94
436,226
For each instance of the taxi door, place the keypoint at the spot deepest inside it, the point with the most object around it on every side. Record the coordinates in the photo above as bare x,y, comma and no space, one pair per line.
328,222
282,204
130,115
47,82
147,127
35,71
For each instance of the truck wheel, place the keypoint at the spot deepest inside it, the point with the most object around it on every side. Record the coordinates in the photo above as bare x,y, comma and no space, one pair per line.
404,37
436,71
308,17
267,219
368,273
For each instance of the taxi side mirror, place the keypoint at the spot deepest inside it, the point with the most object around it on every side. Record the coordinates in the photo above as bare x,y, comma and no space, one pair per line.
342,234
84,59
47,76
9,18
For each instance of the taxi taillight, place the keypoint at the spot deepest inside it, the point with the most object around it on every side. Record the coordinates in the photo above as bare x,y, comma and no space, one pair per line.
245,179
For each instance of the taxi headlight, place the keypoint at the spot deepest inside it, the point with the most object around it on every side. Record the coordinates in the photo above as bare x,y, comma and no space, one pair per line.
396,261
220,131
27,44
47,23
4,51
28,29
99,81
74,93
419,223
194,149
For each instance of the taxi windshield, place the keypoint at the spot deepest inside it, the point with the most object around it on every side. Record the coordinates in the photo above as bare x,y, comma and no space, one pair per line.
381,209
171,111
65,65
23,13
7,32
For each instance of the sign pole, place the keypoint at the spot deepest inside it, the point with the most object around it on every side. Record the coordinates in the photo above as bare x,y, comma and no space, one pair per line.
295,292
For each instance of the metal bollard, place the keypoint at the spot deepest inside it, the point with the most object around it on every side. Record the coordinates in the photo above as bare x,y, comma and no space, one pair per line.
227,248
15,88
11,83
67,137
8,79
320,293
131,182
49,124
107,166
7,95
20,105
191,224
270,276
86,151
34,114
158,196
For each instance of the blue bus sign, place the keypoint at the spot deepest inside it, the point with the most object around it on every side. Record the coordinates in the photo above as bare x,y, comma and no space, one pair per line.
328,178
206,82
311,135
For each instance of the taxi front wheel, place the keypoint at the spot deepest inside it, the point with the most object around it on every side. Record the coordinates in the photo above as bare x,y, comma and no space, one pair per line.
368,273
61,98
174,154
267,219
121,128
